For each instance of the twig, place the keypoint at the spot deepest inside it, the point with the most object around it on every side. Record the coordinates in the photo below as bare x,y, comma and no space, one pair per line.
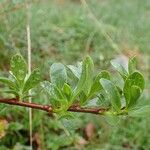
49,109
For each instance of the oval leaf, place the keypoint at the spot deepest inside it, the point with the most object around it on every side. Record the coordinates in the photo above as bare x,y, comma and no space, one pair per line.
89,75
96,87
7,81
112,93
76,70
85,81
52,90
67,90
18,67
33,80
58,74
135,79
132,65
135,94
122,71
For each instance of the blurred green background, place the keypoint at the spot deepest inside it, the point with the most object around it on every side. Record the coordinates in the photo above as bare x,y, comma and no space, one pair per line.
66,31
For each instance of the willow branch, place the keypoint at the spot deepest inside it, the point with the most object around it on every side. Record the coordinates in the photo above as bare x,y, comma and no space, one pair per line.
49,109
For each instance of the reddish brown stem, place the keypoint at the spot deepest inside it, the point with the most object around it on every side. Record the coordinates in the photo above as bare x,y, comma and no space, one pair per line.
49,109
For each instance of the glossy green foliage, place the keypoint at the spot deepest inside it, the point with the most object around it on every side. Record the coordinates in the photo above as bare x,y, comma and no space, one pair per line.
96,87
7,81
67,91
132,65
133,82
76,70
85,81
18,67
58,74
55,95
83,72
87,88
133,88
89,71
19,81
32,80
112,93
122,71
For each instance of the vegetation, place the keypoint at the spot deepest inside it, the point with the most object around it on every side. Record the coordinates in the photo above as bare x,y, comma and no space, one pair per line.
68,35
68,90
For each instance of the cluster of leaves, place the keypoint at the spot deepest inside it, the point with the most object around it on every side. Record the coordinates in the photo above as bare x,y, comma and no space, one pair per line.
71,85
19,81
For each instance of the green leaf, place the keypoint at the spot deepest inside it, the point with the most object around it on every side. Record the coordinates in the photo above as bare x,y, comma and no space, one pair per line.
89,75
67,91
134,79
96,87
140,112
135,94
119,90
54,94
112,93
83,98
33,80
57,92
7,81
58,74
47,86
49,89
81,81
12,92
18,67
52,90
76,70
122,71
132,65
86,78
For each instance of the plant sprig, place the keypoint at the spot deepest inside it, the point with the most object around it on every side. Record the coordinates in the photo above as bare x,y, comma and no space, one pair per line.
19,81
76,86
